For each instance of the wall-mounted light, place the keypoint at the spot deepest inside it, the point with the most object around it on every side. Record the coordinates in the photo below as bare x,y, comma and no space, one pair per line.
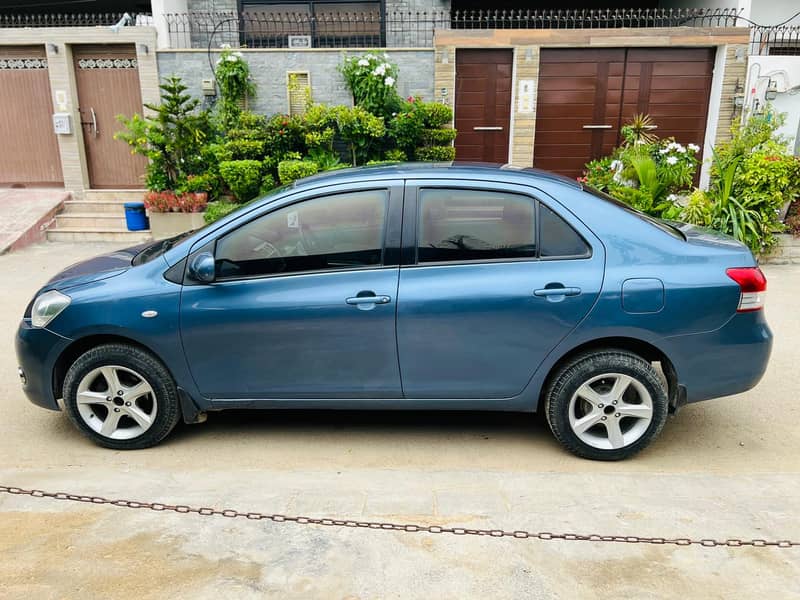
772,90
143,48
52,48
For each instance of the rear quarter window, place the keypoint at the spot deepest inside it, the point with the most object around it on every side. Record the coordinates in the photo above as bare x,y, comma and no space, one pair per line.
557,238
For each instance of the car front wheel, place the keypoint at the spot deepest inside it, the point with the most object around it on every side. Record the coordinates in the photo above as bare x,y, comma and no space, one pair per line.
606,405
121,397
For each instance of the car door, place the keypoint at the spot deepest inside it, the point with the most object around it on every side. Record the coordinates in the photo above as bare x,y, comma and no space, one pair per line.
303,302
493,280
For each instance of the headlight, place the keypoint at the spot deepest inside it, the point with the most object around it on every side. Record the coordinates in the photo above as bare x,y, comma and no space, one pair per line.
47,307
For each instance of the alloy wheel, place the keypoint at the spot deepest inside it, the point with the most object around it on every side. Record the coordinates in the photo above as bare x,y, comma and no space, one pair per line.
610,411
116,402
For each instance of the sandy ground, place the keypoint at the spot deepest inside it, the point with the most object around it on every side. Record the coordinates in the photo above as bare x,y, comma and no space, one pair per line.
724,468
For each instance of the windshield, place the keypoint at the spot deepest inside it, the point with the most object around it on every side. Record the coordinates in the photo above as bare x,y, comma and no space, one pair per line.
158,248
664,226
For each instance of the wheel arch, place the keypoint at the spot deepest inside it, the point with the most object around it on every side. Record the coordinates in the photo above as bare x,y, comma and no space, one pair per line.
646,350
71,353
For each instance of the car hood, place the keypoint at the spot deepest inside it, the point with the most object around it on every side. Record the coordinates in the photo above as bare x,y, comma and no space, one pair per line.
95,269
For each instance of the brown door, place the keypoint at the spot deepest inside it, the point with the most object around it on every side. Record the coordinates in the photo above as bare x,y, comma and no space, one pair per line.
108,85
30,149
483,104
578,107
672,86
581,105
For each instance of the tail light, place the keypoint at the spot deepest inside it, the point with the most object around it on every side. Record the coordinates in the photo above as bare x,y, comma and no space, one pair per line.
753,287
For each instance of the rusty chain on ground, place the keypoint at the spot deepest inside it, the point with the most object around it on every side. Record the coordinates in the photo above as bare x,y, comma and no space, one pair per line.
410,528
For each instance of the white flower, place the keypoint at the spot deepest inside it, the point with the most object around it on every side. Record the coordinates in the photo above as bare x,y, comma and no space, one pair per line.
232,58
693,147
363,62
379,71
617,167
386,56
389,81
672,160
663,151
225,46
239,54
673,197
681,150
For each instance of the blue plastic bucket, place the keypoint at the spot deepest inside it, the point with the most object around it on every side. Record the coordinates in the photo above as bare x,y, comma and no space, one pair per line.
135,216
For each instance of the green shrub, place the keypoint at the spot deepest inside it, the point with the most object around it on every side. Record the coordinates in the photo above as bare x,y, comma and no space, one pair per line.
217,210
396,155
243,177
240,149
360,130
438,137
232,74
435,114
292,170
267,184
436,153
326,160
373,82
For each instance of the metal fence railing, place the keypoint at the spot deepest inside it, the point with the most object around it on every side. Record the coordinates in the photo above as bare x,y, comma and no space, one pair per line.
370,26
8,20
783,40
373,27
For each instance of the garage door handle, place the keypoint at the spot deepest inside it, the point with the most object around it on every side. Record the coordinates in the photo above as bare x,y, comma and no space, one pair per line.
597,126
557,291
487,129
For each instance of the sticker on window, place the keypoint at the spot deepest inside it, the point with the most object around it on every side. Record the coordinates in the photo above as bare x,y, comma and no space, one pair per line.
292,220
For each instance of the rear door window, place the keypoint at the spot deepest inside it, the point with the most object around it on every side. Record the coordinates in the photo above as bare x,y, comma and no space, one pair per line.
474,225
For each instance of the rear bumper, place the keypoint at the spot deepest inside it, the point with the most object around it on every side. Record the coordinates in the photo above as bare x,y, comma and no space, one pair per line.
37,352
730,360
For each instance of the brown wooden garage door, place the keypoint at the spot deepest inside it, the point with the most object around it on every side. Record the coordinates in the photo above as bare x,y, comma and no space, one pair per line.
483,105
30,149
586,95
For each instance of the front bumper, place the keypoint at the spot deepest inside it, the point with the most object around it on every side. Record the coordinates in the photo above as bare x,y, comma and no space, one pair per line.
730,360
37,352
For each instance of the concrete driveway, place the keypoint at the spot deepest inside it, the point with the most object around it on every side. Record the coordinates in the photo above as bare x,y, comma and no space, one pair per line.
721,469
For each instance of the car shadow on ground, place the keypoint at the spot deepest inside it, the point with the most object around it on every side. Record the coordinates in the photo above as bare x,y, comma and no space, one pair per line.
378,422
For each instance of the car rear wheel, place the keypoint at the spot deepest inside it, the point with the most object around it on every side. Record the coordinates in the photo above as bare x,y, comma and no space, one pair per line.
121,397
606,405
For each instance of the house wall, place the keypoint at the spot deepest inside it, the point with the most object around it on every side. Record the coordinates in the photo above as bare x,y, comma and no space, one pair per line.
732,42
785,72
269,66
62,81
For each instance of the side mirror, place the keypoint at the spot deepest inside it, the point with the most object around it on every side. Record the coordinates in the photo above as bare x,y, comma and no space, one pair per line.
202,268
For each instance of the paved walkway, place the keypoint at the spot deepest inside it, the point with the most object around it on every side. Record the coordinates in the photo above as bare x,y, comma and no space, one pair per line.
23,213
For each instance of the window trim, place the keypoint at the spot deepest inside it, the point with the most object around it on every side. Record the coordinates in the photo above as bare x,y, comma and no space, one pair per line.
390,188
411,248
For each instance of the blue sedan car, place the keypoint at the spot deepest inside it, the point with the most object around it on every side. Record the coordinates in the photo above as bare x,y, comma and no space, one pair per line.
406,287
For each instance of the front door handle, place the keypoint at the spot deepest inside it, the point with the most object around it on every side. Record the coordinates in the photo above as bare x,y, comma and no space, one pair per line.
557,291
94,121
367,300
488,128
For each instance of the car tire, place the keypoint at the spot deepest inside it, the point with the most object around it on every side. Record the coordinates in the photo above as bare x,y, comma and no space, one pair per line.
121,397
606,404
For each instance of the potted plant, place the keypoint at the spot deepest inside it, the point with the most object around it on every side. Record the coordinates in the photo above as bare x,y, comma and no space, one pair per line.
174,212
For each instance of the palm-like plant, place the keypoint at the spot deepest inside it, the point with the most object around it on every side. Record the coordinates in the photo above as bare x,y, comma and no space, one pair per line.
639,130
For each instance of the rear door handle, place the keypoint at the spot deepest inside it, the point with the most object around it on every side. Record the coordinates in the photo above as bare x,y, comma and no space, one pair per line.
557,291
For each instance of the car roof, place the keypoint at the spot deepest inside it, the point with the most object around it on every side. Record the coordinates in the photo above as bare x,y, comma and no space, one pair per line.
428,170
